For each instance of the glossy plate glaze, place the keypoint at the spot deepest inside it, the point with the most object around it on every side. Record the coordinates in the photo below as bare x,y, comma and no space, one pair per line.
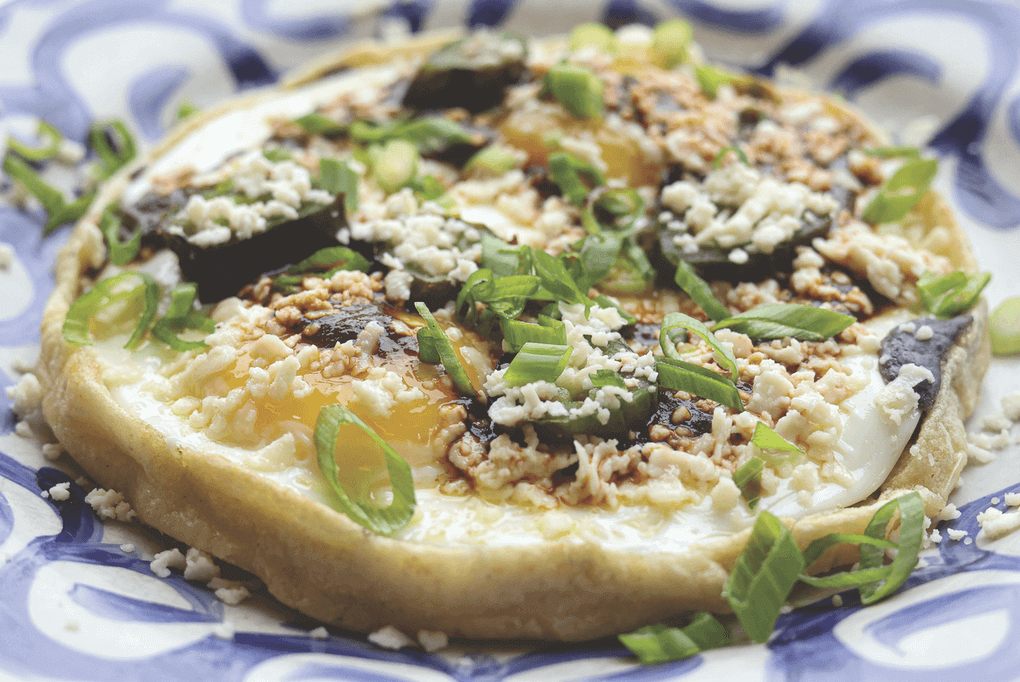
77,606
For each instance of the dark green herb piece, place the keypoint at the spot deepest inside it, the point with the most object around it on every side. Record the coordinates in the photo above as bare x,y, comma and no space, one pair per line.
700,292
317,124
781,320
336,177
570,173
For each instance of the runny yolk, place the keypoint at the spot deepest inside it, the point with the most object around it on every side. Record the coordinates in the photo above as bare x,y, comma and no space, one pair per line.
410,428
536,133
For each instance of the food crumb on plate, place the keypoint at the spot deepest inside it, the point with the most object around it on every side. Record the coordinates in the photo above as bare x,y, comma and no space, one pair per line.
390,638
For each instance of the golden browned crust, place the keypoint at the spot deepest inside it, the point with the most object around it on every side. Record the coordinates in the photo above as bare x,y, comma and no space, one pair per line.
320,562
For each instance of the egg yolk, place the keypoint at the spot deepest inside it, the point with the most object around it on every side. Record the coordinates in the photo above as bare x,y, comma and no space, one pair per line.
411,427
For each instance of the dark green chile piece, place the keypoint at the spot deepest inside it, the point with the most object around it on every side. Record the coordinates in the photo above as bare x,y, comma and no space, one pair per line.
472,73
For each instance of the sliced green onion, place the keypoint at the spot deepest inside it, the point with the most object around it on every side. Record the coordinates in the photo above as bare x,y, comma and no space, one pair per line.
444,350
711,77
566,170
49,147
577,89
537,362
67,213
394,164
781,320
911,511
121,253
592,259
495,160
748,479
326,262
632,272
180,316
556,279
699,291
873,577
951,294
606,207
894,152
661,644
594,35
680,321
677,375
317,124
763,576
607,377
381,520
277,154
427,134
499,256
717,162
336,177
765,438
820,546
517,333
427,188
88,305
670,41
604,301
901,192
59,212
1004,327
112,156
186,109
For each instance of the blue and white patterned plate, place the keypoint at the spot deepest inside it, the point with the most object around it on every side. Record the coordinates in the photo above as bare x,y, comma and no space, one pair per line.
75,606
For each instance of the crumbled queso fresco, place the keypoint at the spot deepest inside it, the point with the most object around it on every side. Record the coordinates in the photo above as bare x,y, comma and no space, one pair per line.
290,343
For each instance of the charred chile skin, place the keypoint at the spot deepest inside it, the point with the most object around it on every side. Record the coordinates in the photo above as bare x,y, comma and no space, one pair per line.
468,73
903,347
223,270
714,264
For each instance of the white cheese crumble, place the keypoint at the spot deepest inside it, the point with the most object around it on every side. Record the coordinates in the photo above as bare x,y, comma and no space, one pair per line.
60,492
109,504
996,523
432,641
898,399
955,534
319,633
390,638
587,335
736,206
279,190
420,239
948,513
199,566
382,389
164,561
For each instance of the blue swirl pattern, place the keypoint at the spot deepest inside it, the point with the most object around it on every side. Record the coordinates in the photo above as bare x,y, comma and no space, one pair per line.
253,42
